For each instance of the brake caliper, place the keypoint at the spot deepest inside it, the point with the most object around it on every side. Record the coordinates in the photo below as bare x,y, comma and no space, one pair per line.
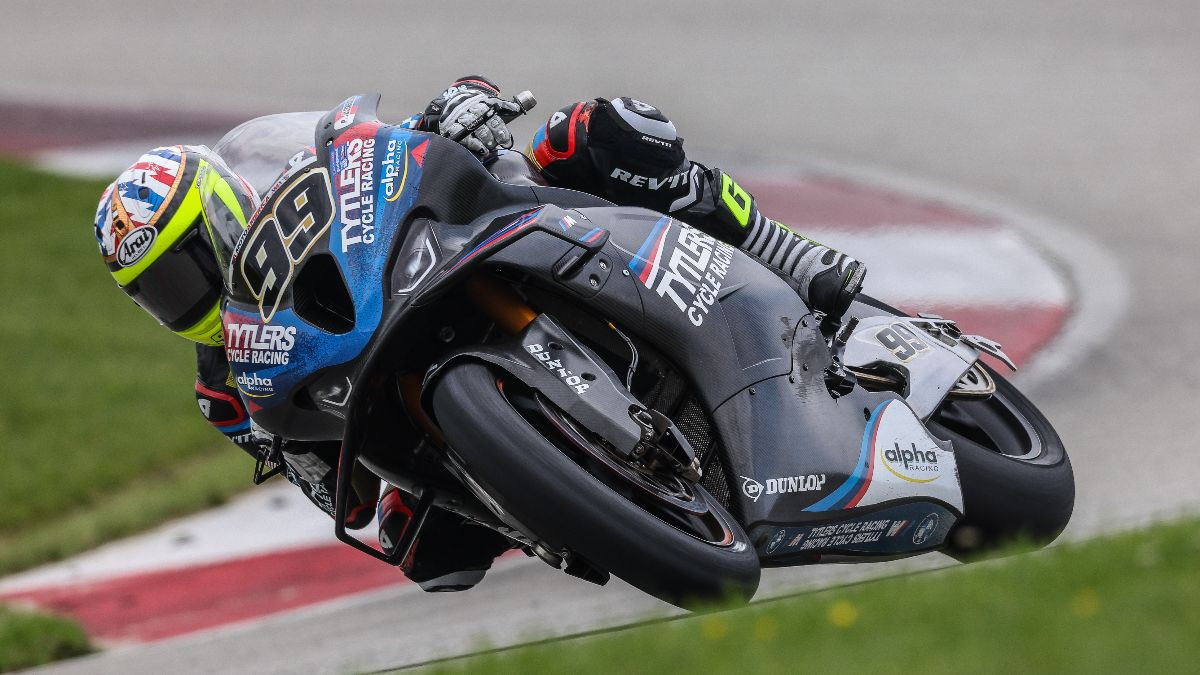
662,444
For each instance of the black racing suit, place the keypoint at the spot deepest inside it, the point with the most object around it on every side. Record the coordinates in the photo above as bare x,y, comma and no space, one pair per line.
629,153
310,465
623,150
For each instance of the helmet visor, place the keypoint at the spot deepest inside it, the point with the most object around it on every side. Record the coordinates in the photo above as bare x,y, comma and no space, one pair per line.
182,286
227,204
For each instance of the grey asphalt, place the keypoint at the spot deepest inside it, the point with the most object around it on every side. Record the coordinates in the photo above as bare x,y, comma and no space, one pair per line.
1085,111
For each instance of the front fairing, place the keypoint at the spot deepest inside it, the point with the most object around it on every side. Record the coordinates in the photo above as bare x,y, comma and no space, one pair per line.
327,267
307,290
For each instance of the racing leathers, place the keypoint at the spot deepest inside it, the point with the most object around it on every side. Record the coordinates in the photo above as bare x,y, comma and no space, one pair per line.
628,152
310,465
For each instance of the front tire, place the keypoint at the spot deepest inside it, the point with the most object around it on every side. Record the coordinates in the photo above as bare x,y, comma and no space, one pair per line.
489,421
1016,477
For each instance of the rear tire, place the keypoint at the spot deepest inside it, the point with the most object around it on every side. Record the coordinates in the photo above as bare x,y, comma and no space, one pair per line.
1016,478
531,477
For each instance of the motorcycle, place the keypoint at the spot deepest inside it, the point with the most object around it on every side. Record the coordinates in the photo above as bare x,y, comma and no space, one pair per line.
616,392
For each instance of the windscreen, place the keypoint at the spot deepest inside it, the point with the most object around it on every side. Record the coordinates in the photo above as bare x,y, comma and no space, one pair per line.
254,153
259,150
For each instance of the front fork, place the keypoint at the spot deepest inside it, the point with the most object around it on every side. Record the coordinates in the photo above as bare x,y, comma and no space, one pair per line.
511,313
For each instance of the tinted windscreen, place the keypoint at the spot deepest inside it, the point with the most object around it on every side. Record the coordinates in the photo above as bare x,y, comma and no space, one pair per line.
259,150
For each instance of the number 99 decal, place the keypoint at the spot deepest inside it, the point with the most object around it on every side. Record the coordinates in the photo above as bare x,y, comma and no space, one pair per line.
301,214
900,340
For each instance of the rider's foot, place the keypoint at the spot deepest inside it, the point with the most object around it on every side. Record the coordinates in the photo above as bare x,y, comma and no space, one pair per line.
834,279
394,515
827,280
451,554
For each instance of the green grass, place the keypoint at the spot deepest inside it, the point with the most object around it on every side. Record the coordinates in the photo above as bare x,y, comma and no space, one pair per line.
1129,603
99,432
28,639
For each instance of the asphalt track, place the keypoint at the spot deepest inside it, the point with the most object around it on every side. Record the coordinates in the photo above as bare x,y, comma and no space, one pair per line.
1087,112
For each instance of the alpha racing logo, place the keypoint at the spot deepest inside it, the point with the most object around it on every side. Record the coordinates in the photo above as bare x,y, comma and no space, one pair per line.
911,464
776,486
263,345
394,165
253,384
356,191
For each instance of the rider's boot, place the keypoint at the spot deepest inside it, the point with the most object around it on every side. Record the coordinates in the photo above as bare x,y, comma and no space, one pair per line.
827,280
835,279
450,554
394,513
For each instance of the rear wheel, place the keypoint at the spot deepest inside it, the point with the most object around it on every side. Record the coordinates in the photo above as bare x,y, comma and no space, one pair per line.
665,535
1016,478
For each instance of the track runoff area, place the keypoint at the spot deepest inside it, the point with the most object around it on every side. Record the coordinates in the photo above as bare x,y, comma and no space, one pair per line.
270,552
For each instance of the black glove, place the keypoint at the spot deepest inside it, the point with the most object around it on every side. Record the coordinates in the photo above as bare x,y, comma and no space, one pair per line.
472,113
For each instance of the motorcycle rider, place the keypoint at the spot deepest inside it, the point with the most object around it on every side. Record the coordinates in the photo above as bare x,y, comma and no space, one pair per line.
628,152
162,250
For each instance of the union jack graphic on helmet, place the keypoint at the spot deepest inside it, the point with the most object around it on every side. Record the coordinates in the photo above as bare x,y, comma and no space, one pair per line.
103,223
144,187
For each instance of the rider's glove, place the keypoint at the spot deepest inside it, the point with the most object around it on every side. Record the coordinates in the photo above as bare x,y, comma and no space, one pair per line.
472,113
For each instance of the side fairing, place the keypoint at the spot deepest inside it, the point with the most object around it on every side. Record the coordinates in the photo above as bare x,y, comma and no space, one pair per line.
717,312
793,452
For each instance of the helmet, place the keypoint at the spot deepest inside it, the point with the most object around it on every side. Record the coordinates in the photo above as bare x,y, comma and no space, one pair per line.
163,247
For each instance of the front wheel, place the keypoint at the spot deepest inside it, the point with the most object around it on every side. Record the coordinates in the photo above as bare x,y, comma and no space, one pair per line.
666,536
1016,478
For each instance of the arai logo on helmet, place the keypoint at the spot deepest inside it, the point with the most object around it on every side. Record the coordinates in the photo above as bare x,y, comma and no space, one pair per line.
135,245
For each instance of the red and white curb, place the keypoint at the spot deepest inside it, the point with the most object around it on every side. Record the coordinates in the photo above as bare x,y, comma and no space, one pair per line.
100,141
267,551
999,273
926,255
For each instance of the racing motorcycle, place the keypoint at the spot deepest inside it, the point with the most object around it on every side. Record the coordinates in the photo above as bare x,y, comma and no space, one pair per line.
613,390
